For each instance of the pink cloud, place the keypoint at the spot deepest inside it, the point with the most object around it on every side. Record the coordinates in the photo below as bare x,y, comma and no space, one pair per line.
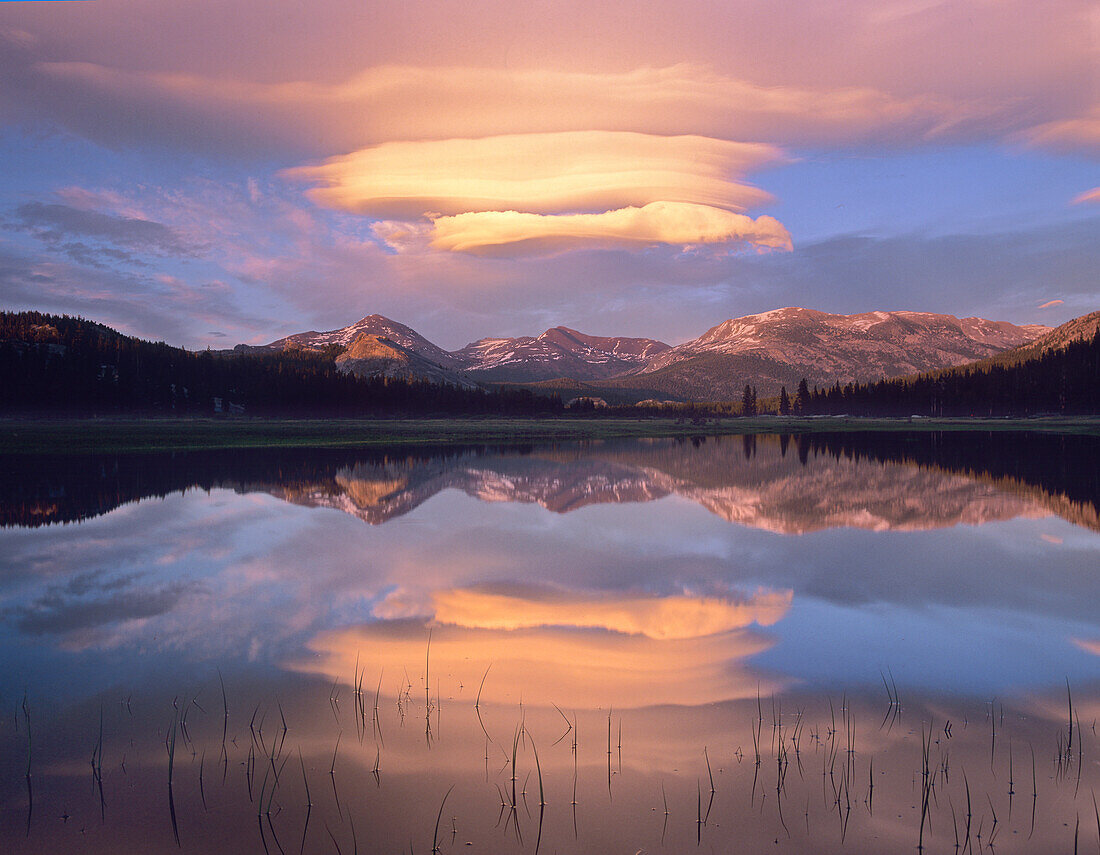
330,79
1075,133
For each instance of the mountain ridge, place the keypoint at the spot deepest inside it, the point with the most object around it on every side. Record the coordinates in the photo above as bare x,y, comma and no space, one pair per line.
768,350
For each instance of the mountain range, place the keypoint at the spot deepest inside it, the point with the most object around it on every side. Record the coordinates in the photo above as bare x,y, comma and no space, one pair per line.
767,350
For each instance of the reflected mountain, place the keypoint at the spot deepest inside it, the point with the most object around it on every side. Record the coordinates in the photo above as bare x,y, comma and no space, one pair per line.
789,485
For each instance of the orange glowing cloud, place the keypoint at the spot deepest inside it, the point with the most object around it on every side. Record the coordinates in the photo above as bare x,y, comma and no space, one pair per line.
550,173
662,618
554,190
658,222
561,647
1092,195
1089,645
546,665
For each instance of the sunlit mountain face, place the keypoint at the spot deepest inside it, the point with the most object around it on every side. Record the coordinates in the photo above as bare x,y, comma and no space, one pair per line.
778,347
576,638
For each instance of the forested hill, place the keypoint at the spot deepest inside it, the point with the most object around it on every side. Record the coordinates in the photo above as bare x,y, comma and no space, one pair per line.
1065,380
66,365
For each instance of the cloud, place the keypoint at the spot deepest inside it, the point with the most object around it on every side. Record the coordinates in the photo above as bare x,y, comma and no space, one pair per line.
55,223
1050,303
153,307
865,71
657,222
1092,195
395,103
1079,133
576,667
673,295
534,192
90,600
539,173
295,267
668,617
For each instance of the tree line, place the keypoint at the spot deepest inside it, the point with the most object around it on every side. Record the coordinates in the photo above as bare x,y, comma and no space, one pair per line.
1064,381
64,365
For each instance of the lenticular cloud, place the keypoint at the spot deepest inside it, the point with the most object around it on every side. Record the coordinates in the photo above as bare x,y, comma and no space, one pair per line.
557,189
658,222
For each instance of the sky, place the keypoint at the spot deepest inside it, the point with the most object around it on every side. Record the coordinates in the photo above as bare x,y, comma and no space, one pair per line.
209,173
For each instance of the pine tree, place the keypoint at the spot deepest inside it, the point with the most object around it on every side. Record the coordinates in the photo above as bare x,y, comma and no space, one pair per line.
748,402
784,402
801,397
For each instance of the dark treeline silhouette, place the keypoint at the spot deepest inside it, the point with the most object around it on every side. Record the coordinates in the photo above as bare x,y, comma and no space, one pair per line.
1066,465
63,365
39,490
1064,381
42,489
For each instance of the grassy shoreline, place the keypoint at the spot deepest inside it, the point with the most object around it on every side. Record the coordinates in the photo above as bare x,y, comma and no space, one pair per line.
74,436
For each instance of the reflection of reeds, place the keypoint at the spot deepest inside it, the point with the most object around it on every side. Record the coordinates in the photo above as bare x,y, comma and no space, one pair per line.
30,755
224,756
439,816
332,770
97,769
309,802
798,730
376,719
170,743
427,691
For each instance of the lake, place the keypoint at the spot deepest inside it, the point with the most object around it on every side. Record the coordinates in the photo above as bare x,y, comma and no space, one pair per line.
826,643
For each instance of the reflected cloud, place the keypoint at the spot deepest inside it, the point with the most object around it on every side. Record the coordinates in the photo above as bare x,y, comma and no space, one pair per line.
89,601
660,618
570,648
544,665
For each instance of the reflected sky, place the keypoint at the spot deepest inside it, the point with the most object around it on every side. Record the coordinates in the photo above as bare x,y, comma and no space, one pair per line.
759,567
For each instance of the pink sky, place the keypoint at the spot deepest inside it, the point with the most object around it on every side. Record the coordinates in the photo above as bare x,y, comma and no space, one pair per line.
433,161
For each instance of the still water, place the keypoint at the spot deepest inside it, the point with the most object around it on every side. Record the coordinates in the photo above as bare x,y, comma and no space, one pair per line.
828,644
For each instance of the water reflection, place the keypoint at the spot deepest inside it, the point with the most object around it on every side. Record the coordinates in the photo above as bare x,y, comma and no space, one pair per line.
784,484
577,638
303,765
